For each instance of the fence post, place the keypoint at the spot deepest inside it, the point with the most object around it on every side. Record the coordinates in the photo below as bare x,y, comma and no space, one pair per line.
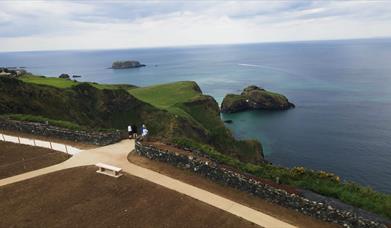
18,139
34,142
66,148
51,145
3,137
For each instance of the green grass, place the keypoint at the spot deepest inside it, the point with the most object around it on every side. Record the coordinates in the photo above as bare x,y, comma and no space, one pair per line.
168,96
66,83
41,119
326,184
55,82
165,96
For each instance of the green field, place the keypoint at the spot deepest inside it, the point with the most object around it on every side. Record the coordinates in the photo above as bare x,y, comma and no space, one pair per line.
168,96
67,83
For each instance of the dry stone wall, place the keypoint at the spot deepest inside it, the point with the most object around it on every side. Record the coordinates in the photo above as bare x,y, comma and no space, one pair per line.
95,138
222,175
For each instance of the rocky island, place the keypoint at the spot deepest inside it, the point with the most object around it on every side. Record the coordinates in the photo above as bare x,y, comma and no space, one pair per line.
255,98
127,64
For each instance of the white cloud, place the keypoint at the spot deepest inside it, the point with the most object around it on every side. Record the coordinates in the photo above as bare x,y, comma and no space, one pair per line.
48,25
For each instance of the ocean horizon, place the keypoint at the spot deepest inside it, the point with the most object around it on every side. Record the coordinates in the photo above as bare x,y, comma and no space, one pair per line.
342,120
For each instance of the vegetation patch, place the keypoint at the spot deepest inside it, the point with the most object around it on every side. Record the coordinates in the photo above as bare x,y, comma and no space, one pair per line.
168,96
63,83
41,119
321,182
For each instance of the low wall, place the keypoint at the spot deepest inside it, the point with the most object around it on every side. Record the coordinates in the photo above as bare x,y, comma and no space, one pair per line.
95,138
227,177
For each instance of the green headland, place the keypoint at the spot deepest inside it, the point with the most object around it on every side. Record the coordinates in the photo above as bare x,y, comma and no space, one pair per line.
174,113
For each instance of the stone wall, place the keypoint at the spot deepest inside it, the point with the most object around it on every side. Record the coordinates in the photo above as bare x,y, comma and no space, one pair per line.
244,182
96,138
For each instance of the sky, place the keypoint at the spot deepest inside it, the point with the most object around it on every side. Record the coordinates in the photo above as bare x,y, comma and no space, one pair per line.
61,25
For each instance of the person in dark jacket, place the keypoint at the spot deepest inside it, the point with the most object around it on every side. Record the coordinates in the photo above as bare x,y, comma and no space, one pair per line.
134,128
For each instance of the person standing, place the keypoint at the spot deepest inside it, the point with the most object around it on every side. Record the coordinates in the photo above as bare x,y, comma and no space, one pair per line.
130,132
134,129
144,132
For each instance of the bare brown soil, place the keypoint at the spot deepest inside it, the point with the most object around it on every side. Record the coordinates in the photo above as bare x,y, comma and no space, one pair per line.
50,139
80,197
16,158
282,213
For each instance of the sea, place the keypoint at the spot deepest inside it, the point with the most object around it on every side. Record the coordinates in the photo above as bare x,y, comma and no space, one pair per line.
341,89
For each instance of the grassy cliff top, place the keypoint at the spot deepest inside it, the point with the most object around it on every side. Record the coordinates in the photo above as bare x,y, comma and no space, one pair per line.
62,83
169,96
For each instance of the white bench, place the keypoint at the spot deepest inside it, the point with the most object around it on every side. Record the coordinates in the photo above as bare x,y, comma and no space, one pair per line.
109,170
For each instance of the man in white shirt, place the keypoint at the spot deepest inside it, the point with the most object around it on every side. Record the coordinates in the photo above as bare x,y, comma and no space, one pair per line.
130,132
145,132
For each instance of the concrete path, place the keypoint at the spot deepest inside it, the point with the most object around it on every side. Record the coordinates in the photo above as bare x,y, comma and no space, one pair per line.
116,154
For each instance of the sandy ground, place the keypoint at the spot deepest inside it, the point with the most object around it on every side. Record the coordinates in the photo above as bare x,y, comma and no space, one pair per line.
79,197
16,159
246,199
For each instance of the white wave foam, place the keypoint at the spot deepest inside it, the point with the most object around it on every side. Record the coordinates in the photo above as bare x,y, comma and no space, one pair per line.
249,65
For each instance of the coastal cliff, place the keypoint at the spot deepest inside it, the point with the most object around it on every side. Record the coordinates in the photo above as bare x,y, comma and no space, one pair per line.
167,115
255,98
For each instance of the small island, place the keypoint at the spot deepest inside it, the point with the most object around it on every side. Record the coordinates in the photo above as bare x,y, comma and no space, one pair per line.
127,64
255,98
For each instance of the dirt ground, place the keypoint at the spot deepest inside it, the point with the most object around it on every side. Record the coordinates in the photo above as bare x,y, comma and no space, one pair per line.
16,158
285,214
80,197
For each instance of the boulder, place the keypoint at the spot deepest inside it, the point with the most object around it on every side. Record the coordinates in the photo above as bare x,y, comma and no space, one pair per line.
126,64
255,98
65,76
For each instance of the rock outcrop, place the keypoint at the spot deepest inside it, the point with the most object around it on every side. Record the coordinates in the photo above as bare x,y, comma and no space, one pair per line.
126,64
64,76
255,98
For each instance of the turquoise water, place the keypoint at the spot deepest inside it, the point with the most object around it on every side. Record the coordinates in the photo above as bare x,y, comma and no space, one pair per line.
342,90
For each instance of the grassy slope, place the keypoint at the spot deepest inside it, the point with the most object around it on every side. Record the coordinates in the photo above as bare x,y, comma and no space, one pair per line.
176,110
167,96
185,99
81,104
66,83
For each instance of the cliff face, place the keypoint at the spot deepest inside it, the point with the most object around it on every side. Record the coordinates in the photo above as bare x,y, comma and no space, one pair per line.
82,104
205,111
88,106
255,98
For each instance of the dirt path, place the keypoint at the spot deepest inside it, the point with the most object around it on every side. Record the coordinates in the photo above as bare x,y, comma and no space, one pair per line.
116,154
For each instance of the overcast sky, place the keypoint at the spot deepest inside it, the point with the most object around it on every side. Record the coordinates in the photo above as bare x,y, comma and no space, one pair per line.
54,25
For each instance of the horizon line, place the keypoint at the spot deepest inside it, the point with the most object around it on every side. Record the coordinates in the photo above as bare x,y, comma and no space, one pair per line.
201,45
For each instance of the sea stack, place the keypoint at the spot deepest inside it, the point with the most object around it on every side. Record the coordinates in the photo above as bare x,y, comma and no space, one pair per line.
126,64
255,98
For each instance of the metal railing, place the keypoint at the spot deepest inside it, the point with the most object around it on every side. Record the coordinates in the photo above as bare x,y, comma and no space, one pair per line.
40,143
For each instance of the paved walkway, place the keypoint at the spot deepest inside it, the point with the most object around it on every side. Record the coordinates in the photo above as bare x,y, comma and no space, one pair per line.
116,154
